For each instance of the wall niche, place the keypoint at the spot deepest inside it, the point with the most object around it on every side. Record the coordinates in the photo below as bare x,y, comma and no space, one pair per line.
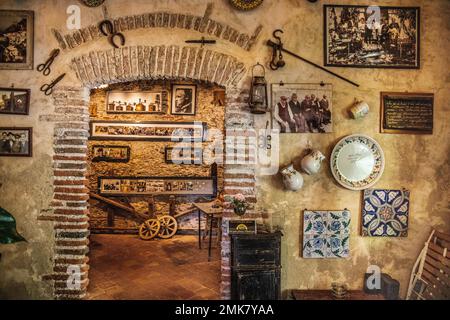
147,158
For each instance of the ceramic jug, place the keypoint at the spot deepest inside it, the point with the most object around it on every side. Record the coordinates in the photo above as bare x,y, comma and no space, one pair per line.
292,179
311,163
359,109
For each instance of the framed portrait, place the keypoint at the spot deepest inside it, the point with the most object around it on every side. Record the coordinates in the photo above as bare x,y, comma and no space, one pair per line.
16,39
111,153
372,36
136,186
407,112
184,100
149,131
14,101
16,142
135,102
183,155
302,108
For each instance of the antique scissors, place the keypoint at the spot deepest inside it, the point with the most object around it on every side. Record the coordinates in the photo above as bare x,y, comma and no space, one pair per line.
48,88
45,67
107,28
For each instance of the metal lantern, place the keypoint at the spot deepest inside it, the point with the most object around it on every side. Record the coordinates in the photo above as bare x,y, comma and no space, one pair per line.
258,92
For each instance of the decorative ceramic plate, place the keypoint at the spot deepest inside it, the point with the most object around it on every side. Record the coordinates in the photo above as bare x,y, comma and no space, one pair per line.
246,4
357,162
92,3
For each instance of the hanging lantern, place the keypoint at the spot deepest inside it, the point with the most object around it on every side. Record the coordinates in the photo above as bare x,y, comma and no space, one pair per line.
258,92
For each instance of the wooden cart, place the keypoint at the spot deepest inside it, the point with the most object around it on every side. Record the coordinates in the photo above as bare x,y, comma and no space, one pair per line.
152,225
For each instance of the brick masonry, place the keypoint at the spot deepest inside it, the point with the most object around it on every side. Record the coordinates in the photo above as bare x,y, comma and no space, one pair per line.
204,25
69,208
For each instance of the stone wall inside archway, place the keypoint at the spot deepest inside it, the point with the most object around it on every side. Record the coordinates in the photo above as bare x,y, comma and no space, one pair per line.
69,209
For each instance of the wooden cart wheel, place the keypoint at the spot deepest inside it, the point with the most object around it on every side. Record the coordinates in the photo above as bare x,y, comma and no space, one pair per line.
169,227
149,229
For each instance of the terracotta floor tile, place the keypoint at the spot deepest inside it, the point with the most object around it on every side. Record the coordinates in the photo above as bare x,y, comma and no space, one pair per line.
125,267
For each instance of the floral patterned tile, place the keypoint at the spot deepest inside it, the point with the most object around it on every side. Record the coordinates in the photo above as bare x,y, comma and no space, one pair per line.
338,246
314,246
315,222
385,213
326,234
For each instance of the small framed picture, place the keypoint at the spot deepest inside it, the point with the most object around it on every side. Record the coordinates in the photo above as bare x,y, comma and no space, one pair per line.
14,101
183,155
16,142
16,39
111,153
184,100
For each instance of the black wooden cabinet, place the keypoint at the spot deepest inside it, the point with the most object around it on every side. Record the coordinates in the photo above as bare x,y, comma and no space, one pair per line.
256,266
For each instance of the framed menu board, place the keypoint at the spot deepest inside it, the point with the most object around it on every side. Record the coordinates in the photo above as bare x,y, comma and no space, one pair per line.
407,112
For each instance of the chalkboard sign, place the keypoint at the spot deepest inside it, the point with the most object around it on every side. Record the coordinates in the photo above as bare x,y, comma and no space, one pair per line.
407,112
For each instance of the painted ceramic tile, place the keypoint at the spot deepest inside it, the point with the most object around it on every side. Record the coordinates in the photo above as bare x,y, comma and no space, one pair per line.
326,234
385,213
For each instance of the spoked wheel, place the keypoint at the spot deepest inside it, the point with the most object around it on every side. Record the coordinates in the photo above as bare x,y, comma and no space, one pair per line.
169,227
149,229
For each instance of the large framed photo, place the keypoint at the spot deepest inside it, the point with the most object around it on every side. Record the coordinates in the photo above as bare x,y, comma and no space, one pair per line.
16,142
14,101
111,153
16,39
183,155
407,112
184,100
136,102
137,186
372,36
149,131
302,108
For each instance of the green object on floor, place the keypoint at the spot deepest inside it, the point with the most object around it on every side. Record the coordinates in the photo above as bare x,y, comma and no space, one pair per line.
8,232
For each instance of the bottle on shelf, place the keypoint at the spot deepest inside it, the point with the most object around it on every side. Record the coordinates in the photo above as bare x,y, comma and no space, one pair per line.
158,103
119,107
140,107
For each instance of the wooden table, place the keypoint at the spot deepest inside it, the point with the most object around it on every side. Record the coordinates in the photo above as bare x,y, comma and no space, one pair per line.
212,213
326,295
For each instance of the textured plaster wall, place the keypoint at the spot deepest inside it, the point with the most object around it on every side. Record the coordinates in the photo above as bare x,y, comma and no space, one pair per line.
419,163
147,158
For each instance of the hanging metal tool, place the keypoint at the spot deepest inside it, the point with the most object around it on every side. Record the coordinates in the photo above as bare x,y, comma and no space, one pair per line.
278,62
277,55
48,88
45,67
203,41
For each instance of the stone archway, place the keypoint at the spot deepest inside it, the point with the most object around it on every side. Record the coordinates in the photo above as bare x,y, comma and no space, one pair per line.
69,209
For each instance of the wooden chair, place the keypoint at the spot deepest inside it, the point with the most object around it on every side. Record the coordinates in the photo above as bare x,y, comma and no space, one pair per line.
430,277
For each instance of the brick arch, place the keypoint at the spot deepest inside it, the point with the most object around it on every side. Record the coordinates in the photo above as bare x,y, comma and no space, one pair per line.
157,62
202,24
69,210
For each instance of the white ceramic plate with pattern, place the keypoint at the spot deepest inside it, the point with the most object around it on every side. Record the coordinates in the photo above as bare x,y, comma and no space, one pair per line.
357,162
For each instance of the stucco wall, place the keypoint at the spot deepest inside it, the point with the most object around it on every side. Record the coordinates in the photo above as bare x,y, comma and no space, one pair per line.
419,163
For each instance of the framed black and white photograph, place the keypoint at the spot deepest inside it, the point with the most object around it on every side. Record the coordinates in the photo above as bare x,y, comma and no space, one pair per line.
183,155
135,102
16,142
149,131
14,101
184,100
372,36
111,153
407,112
302,108
16,39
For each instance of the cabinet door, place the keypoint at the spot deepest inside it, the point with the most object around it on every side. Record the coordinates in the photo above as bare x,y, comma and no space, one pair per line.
256,285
